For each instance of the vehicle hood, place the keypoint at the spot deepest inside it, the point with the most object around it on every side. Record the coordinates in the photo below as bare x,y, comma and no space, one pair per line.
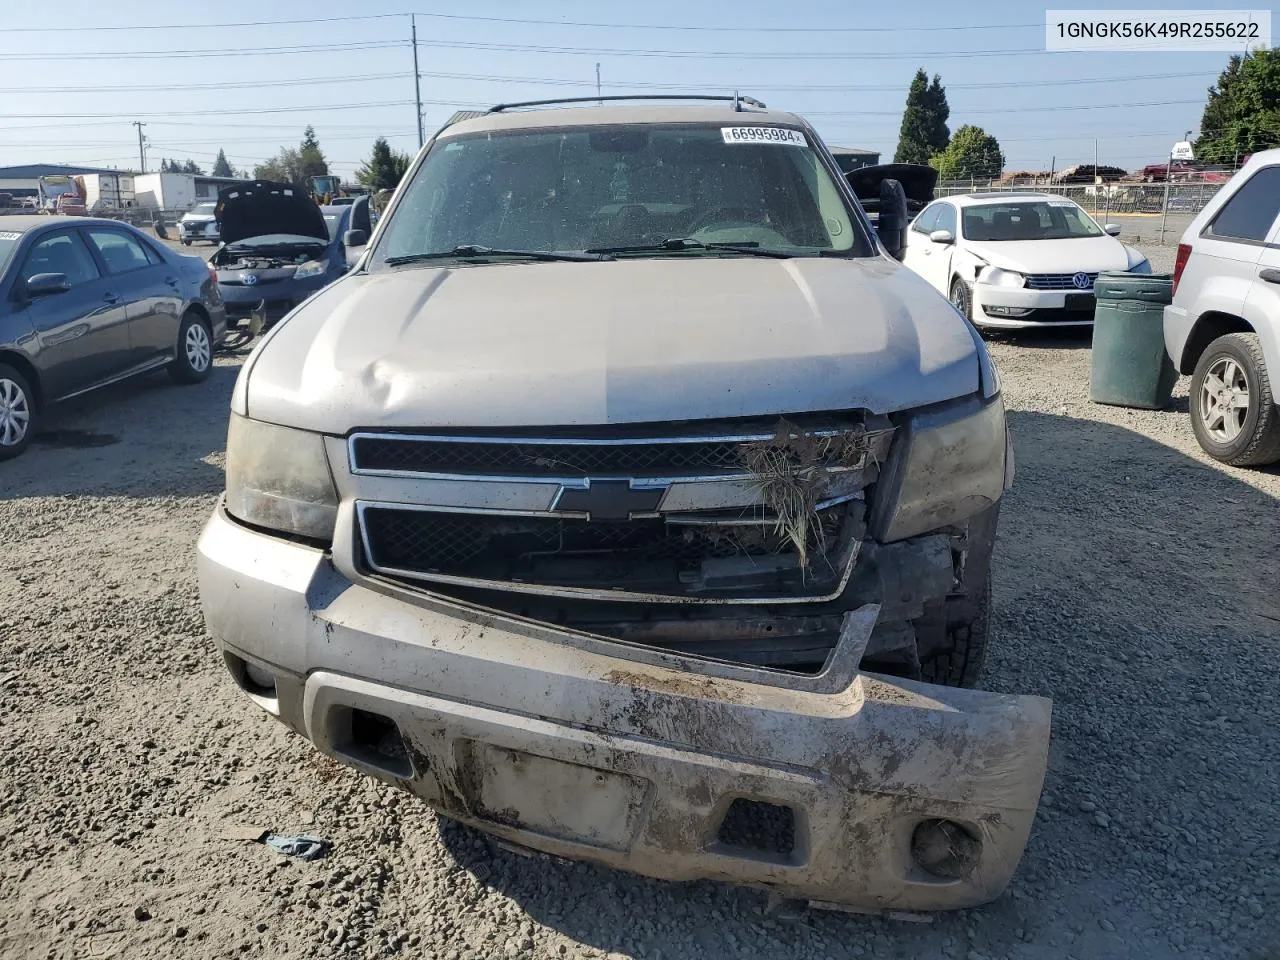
198,217
628,341
1087,254
262,207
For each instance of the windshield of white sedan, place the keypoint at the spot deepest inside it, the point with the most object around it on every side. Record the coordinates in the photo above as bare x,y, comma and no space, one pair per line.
1031,220
677,190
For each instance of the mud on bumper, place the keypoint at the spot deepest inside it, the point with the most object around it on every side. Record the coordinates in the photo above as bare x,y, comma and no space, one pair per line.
633,757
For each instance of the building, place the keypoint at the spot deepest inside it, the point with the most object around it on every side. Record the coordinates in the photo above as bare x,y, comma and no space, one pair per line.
177,191
851,158
21,180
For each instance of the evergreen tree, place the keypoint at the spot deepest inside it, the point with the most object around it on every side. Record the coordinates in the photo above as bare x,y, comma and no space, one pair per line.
311,160
221,168
384,168
924,129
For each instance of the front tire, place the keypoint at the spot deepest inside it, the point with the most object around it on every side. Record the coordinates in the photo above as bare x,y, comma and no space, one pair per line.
962,298
1233,410
193,359
17,412
959,661
186,243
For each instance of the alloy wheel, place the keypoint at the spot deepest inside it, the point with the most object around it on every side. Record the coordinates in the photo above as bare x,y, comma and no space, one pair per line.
15,413
1224,400
197,347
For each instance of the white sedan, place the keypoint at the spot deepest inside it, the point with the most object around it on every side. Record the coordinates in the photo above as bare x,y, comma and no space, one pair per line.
1011,260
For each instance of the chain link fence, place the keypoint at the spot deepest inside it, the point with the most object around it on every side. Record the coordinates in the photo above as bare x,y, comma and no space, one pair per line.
1106,199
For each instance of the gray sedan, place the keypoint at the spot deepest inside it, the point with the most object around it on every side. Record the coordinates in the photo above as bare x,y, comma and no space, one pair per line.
87,302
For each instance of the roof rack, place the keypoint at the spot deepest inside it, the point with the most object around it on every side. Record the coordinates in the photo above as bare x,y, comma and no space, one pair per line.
735,99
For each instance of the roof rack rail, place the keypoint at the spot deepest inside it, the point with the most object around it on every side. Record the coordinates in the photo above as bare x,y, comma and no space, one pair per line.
735,99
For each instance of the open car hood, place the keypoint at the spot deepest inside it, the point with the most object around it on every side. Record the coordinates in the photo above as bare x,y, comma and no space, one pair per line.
917,179
262,207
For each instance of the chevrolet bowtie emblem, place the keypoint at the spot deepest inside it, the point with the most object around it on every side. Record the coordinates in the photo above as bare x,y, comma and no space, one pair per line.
608,500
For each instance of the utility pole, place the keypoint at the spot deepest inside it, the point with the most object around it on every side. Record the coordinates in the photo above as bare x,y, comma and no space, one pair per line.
142,156
1097,178
417,77
598,82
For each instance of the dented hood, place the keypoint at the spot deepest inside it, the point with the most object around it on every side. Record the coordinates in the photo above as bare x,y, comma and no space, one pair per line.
1089,254
628,341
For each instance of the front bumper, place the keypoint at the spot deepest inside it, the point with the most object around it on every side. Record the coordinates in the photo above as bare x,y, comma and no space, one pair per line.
1017,307
602,750
280,296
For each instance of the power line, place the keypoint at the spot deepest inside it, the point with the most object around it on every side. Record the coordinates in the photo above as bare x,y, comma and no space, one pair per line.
688,28
211,52
245,84
238,111
731,54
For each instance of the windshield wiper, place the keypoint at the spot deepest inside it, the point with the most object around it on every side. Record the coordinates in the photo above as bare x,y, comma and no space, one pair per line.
476,251
749,247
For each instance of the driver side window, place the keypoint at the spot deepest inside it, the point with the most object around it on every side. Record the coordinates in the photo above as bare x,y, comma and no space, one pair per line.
946,219
925,222
63,253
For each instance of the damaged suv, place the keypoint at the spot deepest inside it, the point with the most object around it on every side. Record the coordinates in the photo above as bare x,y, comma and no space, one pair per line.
630,501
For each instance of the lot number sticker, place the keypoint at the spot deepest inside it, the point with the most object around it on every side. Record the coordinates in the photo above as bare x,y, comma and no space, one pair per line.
781,135
9,236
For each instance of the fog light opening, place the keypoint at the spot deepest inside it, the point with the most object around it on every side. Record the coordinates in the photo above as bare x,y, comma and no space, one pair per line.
260,681
373,740
945,849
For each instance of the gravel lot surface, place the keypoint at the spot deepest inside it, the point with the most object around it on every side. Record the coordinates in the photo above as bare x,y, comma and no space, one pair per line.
1136,586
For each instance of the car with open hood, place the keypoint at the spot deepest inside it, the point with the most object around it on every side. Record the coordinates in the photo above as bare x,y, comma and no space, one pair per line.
1010,260
629,500
278,247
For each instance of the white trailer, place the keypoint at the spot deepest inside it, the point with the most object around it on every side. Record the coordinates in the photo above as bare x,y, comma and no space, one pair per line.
105,192
164,191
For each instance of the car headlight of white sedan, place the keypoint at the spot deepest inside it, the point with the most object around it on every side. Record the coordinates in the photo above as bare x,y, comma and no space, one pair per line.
997,277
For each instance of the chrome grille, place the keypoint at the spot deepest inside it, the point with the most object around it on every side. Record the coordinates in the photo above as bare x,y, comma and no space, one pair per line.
1058,281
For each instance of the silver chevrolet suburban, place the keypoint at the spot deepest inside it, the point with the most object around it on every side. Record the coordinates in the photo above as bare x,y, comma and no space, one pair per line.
628,500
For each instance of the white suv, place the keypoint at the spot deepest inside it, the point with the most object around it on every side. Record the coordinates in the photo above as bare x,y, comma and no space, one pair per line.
1223,326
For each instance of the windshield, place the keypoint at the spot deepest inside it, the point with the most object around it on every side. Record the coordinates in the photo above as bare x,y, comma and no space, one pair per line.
9,241
609,187
1028,220
204,208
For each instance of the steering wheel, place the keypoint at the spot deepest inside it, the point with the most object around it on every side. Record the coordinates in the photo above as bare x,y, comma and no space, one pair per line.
727,214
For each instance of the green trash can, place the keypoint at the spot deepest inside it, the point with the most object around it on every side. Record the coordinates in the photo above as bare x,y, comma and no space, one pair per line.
1130,365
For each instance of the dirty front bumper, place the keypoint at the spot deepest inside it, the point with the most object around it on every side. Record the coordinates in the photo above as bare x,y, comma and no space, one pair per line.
597,749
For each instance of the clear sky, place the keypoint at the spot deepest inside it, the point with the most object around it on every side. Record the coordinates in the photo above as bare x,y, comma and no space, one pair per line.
75,74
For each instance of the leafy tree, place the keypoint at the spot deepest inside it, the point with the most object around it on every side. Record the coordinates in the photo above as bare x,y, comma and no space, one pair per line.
384,168
1242,114
192,167
221,167
972,153
173,166
924,129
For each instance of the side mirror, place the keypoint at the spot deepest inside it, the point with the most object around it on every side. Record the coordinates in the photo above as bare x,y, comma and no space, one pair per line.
891,218
355,238
942,236
45,284
1111,229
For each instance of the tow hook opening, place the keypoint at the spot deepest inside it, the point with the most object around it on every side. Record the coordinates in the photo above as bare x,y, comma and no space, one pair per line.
758,830
370,739
254,680
945,849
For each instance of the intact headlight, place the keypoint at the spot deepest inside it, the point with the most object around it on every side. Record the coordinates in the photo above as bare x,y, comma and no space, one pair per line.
1001,278
951,467
312,268
278,478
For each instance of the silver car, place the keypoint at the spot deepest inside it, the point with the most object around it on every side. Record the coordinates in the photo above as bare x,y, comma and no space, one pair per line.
630,501
1223,327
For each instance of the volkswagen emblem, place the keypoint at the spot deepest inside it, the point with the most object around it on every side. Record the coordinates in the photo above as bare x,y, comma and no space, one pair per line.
249,279
1082,281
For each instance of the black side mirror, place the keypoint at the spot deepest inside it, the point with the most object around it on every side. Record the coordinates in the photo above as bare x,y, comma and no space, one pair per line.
355,238
45,284
891,218
360,219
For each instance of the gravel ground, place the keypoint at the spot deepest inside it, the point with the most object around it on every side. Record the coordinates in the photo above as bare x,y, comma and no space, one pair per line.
1135,586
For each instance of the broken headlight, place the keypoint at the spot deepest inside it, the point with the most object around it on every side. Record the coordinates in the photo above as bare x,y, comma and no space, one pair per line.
951,467
278,478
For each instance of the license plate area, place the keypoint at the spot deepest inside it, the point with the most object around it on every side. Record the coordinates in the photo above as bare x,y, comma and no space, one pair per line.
1080,302
555,798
